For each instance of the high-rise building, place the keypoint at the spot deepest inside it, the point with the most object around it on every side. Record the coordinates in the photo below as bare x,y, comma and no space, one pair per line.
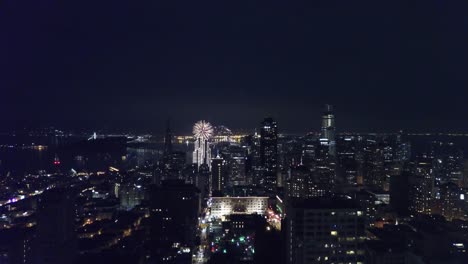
448,162
308,151
269,153
402,148
168,139
328,133
400,192
218,174
422,185
130,195
202,132
306,183
56,241
451,202
297,184
346,159
256,172
324,171
324,230
302,182
158,174
174,210
465,174
16,246
373,163
367,202
290,152
203,182
174,165
173,162
236,165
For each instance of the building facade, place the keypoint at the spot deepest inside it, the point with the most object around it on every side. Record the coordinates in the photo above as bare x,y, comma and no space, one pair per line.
269,153
224,206
324,230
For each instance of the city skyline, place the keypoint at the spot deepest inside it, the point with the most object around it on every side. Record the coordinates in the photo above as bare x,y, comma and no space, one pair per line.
184,129
218,132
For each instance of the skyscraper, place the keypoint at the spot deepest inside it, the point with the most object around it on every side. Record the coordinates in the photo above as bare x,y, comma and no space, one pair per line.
324,230
168,140
400,191
324,172
298,183
269,152
167,155
175,206
236,165
56,240
327,135
346,159
256,172
218,174
202,132
373,163
422,185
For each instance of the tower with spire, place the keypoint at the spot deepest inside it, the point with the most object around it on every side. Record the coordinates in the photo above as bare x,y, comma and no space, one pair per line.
168,139
327,135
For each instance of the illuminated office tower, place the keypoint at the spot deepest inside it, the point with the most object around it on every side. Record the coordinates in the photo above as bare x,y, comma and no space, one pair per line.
130,196
324,172
450,202
236,165
269,152
448,162
373,164
202,132
422,185
308,151
297,185
327,135
256,172
218,174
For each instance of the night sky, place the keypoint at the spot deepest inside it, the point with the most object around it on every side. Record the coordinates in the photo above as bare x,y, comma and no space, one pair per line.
385,65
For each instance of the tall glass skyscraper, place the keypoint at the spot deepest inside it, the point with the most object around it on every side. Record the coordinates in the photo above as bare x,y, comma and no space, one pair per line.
327,136
269,152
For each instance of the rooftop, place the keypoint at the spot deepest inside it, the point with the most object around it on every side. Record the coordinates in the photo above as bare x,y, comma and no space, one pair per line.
325,203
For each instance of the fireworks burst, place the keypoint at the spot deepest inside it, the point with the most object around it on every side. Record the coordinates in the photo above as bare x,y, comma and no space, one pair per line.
203,129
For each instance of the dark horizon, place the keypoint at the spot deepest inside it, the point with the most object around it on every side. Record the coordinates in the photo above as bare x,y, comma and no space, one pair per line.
186,129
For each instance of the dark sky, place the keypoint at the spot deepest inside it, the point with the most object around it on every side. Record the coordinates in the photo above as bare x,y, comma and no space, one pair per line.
385,65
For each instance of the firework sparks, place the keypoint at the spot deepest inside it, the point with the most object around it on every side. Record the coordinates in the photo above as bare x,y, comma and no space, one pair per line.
203,129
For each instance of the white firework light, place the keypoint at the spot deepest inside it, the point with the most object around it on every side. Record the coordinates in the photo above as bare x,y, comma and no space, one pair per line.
203,129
